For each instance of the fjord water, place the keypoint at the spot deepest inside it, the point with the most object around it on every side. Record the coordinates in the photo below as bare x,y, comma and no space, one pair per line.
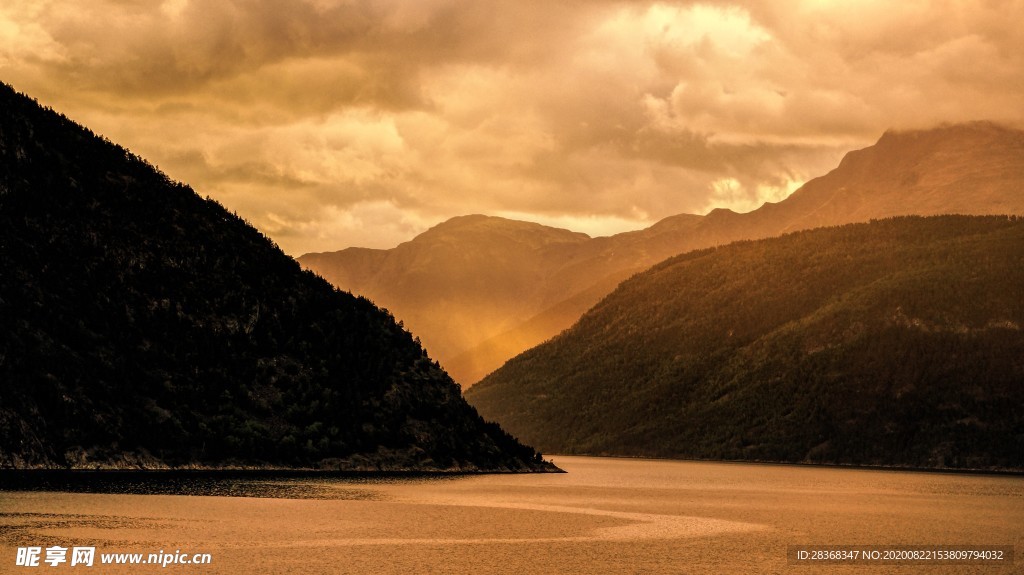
604,516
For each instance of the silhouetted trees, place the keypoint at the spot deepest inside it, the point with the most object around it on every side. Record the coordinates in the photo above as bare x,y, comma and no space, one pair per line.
138,319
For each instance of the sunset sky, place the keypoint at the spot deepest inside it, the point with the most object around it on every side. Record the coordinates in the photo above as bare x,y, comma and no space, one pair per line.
331,123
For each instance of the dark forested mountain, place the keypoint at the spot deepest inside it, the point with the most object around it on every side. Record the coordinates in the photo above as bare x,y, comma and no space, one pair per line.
896,342
143,326
480,290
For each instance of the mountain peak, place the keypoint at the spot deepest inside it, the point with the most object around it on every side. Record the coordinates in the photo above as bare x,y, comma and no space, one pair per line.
493,222
971,168
483,227
948,130
721,213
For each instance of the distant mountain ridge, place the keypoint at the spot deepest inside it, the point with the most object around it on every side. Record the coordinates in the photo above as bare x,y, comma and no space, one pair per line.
462,281
895,343
142,326
479,294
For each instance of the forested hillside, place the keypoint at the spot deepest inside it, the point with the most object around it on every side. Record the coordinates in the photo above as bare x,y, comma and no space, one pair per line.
896,342
143,326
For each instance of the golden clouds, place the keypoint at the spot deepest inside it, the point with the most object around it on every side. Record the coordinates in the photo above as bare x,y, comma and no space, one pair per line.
330,123
24,40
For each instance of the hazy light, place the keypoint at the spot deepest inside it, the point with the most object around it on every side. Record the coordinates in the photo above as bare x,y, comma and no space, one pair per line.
592,225
731,194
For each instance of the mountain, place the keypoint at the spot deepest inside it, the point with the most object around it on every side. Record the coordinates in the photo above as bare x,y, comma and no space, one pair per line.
896,342
463,280
480,290
143,326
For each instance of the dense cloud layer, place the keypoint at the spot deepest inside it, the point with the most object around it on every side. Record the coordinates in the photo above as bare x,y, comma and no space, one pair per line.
330,123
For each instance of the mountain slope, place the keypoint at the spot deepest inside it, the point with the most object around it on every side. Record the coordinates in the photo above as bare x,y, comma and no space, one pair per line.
897,342
142,326
462,281
973,168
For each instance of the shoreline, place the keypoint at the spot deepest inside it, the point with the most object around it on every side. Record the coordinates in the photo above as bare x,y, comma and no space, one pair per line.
260,472
274,483
852,466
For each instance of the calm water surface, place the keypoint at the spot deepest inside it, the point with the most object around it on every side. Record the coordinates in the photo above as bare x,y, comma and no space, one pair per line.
604,516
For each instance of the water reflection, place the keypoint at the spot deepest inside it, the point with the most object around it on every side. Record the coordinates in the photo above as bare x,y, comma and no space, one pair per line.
605,515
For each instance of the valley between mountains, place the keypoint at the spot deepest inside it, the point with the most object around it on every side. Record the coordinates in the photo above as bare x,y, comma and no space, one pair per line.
893,341
479,290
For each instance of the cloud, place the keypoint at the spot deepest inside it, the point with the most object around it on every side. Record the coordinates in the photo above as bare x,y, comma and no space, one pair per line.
330,123
24,41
